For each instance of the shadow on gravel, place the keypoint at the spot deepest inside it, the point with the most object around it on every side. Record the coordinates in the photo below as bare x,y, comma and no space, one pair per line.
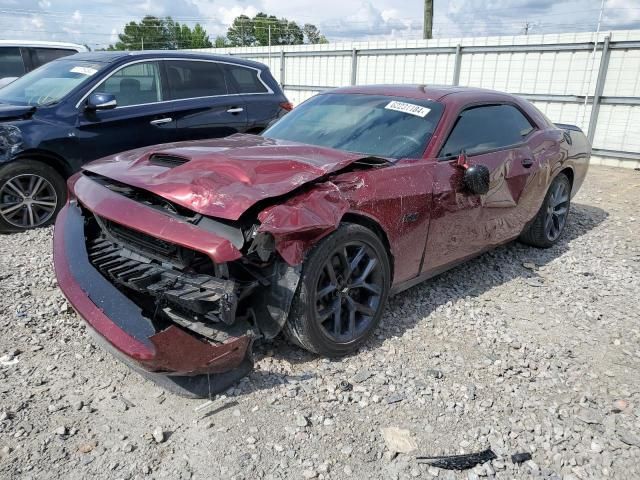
472,278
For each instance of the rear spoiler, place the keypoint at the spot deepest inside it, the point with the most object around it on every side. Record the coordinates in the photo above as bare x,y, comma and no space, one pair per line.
566,126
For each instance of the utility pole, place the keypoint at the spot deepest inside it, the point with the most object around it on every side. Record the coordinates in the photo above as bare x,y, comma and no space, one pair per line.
527,25
427,30
269,44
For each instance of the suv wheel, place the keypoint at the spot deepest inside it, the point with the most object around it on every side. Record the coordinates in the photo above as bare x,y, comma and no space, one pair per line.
31,194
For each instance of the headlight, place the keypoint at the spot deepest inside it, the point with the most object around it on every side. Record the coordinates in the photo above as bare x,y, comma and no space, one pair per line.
10,141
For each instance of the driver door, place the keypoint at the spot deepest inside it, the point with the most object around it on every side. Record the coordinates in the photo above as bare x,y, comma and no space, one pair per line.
140,118
464,224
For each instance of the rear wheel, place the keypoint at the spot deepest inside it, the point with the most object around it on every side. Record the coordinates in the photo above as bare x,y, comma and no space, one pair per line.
548,225
342,293
31,194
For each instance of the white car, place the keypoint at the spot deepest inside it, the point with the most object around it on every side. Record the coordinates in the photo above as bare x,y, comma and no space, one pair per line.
18,57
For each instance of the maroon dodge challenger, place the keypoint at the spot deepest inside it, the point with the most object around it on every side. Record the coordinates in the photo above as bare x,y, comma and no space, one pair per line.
179,256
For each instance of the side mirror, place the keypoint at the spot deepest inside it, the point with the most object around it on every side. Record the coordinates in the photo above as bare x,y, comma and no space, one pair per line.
477,179
101,101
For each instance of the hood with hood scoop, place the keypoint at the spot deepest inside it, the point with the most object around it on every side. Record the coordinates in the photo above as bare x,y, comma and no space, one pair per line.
224,177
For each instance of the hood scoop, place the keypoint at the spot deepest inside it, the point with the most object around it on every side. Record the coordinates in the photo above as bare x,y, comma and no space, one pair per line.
166,160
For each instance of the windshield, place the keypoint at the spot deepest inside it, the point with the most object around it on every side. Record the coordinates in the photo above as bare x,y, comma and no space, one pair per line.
376,125
49,83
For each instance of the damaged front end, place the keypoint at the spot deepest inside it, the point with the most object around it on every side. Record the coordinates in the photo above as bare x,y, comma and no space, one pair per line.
179,296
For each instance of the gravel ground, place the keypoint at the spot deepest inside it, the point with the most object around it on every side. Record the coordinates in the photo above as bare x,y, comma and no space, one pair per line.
522,350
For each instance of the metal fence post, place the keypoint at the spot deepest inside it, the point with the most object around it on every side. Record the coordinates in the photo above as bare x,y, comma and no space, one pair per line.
282,68
602,77
457,64
354,66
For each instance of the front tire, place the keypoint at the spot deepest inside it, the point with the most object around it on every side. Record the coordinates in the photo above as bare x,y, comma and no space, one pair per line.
547,226
31,195
342,294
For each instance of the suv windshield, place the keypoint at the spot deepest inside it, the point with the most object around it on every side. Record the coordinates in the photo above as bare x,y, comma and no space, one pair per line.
377,125
49,83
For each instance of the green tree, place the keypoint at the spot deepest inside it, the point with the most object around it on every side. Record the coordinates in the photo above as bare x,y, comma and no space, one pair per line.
200,38
241,32
153,33
221,42
150,30
313,35
291,33
261,25
249,32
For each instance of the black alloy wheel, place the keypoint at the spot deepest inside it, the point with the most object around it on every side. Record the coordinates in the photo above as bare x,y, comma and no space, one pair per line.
547,226
557,210
342,292
348,292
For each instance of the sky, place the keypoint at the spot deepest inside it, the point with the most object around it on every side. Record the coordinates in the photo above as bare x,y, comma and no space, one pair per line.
97,22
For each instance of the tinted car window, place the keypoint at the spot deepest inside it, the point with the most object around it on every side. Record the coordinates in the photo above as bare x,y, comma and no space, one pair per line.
245,80
485,128
377,125
136,84
40,56
11,64
191,79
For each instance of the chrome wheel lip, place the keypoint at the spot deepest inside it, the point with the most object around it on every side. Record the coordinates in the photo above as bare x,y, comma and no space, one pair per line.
557,211
348,293
27,200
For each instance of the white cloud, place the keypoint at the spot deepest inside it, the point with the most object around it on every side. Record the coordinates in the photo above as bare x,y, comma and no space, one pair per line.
76,17
228,14
368,22
37,21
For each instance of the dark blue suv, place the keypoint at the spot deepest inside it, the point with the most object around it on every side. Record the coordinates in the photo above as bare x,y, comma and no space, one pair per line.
90,105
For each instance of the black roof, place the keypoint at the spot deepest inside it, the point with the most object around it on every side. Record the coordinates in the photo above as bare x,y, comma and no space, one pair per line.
121,56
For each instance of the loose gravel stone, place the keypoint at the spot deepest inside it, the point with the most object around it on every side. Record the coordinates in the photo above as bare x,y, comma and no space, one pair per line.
520,349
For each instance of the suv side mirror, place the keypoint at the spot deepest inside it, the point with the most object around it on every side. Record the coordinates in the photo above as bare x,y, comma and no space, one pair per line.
101,101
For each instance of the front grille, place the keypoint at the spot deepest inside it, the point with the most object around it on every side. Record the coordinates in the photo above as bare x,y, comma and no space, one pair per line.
169,161
207,296
138,240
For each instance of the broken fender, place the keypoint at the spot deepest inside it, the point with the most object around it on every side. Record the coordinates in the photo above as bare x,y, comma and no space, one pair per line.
299,223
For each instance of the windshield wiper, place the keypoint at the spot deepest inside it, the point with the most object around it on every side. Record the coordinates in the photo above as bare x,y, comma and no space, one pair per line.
372,161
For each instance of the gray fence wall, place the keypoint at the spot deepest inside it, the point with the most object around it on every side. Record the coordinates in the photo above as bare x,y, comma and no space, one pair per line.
583,79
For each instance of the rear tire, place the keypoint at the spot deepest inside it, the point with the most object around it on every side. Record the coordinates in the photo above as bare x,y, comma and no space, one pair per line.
31,195
548,224
342,294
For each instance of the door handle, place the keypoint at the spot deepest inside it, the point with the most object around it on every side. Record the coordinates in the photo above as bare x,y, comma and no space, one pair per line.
235,110
161,121
527,162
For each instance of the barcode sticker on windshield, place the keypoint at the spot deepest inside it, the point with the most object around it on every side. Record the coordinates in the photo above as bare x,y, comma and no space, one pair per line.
410,108
84,70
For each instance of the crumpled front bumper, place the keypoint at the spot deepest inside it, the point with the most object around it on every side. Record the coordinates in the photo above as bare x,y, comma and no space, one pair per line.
118,321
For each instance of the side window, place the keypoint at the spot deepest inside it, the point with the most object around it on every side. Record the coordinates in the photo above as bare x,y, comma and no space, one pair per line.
136,84
486,128
245,79
11,64
40,56
192,79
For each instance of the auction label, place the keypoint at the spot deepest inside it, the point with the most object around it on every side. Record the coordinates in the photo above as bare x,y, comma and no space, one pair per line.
83,70
410,108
